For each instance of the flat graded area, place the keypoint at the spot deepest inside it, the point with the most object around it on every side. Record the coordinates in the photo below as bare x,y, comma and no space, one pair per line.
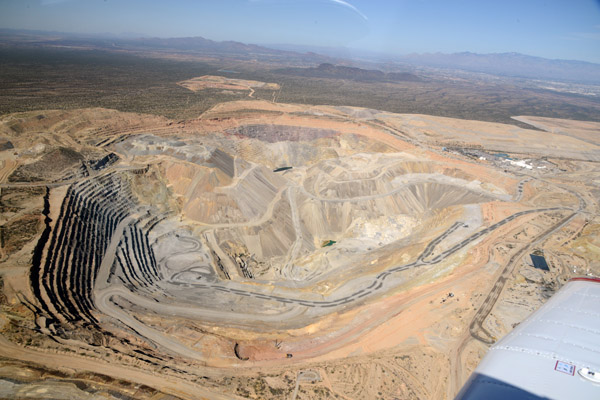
221,82
582,130
268,250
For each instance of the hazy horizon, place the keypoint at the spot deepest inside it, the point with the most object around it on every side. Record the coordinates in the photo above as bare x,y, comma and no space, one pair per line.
340,51
559,30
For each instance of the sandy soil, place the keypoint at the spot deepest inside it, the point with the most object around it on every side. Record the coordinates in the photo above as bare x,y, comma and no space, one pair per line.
583,130
221,82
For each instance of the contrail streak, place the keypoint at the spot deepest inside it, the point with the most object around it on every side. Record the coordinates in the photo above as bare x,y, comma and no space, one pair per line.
350,6
340,2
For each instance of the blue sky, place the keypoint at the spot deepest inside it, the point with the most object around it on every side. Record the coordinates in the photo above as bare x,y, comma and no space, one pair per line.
568,29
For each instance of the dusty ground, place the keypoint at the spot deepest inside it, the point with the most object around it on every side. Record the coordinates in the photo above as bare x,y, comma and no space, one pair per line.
583,130
279,251
220,82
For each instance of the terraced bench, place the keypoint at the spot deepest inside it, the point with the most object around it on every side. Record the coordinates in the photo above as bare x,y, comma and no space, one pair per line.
89,215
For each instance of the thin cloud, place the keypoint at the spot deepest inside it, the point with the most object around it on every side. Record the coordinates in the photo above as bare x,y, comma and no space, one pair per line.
584,36
593,34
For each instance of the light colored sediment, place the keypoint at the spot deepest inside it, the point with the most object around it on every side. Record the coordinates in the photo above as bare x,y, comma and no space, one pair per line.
221,82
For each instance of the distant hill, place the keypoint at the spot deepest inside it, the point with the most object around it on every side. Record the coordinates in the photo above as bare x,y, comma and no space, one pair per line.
200,43
510,64
196,45
327,70
501,64
182,43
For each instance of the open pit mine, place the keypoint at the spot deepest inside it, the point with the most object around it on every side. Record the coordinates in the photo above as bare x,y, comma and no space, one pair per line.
280,251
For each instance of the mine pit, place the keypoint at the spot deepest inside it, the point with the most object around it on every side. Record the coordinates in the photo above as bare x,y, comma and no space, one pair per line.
209,245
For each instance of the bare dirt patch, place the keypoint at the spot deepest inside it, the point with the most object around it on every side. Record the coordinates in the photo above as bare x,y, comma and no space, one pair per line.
221,82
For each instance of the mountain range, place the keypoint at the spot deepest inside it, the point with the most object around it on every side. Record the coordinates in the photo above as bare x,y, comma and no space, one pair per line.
501,64
510,64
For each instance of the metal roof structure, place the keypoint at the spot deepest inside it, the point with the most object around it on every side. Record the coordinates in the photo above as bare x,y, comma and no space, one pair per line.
553,354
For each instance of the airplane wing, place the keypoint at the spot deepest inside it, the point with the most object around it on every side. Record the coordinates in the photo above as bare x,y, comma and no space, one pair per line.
553,354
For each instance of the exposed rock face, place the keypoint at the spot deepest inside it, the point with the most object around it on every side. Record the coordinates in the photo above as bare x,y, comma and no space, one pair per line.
181,246
222,161
64,278
194,210
281,133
